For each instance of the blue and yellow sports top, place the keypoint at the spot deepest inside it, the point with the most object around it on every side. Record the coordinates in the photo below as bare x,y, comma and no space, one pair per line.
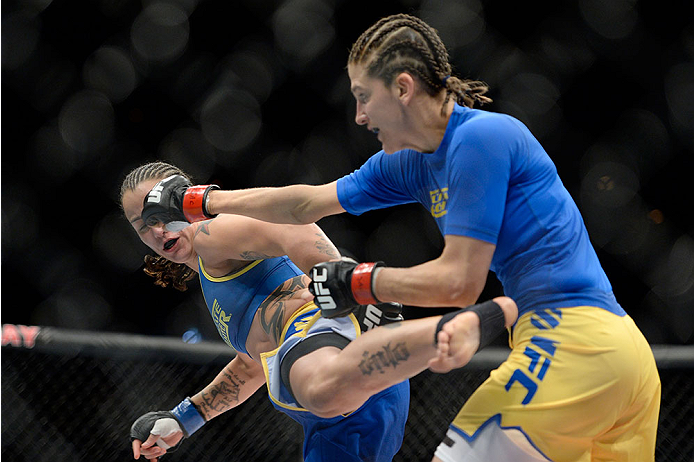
233,299
491,180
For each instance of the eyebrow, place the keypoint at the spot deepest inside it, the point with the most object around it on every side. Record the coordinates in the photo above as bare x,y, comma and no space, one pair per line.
356,88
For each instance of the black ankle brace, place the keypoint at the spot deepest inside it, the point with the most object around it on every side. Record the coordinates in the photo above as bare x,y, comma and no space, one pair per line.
492,322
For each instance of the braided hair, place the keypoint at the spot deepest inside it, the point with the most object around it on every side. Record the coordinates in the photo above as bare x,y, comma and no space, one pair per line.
165,272
404,43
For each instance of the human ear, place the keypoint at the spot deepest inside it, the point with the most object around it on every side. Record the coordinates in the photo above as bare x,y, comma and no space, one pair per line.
405,85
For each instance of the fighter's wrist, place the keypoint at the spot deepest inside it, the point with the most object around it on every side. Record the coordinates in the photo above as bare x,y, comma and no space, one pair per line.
209,204
188,417
374,275
195,201
362,282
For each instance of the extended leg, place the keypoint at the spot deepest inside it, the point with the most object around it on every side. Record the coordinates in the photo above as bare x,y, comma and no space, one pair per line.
330,381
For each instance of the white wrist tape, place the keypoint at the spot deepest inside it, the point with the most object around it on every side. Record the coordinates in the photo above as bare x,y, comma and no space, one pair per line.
166,427
162,444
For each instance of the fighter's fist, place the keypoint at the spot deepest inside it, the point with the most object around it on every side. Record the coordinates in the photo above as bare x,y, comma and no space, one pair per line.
154,434
175,199
164,429
339,286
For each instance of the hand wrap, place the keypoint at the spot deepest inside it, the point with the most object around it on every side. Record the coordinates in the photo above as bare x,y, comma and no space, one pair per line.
160,423
185,417
492,321
188,417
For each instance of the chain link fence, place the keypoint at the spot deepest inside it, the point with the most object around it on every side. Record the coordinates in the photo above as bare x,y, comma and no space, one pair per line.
72,396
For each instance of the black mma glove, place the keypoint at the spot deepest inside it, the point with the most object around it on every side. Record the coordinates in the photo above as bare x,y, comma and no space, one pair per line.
160,423
184,418
372,316
175,199
340,286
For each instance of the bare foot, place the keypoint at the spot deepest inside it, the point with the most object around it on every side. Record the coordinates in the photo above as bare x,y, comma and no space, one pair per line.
459,338
457,342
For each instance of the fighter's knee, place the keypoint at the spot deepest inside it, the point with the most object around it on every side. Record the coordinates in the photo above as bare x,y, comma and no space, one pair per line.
320,398
510,309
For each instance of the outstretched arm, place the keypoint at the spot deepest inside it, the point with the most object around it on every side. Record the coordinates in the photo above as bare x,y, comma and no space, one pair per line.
235,237
154,433
235,384
176,199
455,279
296,204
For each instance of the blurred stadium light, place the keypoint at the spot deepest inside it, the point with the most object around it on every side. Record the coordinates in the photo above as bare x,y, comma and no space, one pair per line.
253,93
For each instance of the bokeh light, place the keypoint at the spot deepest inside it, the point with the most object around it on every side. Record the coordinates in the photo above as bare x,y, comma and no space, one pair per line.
251,93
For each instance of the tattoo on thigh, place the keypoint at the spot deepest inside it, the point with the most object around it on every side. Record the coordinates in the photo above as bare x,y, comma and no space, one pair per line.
387,357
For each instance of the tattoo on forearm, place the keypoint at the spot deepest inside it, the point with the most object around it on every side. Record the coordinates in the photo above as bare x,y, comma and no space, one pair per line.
272,308
387,357
326,247
222,396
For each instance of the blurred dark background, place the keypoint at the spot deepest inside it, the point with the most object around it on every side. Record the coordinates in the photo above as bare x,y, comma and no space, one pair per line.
252,93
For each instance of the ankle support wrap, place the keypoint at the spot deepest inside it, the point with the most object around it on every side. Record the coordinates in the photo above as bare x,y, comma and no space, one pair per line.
492,322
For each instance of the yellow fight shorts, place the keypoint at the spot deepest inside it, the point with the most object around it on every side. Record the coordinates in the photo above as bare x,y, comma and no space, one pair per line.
580,384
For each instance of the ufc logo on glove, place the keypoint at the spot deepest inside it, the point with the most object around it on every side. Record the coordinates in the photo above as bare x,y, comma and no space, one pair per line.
372,317
322,294
155,194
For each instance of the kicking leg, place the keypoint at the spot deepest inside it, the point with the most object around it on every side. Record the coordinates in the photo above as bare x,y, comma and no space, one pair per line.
461,334
330,381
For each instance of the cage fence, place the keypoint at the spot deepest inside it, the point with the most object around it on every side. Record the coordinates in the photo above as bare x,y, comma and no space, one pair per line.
71,396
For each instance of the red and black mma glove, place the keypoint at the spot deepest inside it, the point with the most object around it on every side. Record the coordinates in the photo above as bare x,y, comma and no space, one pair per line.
175,199
342,286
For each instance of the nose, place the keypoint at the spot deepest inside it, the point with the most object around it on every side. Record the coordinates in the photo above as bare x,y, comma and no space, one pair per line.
360,117
158,227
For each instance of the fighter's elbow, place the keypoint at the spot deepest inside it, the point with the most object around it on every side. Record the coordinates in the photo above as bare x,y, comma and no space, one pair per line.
300,216
456,291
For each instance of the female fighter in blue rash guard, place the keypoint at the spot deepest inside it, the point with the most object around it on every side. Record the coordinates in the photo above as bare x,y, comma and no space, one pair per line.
252,281
581,382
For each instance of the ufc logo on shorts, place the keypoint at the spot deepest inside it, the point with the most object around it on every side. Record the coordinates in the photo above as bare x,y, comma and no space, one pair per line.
372,317
323,298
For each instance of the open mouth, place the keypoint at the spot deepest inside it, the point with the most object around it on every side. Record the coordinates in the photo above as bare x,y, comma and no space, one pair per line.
170,243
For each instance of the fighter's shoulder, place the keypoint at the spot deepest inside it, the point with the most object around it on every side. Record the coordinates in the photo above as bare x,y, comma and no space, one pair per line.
223,228
488,123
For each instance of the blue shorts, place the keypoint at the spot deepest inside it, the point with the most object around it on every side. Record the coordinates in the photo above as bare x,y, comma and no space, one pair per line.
372,433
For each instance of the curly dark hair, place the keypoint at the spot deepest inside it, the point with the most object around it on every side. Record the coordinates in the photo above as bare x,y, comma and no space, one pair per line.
165,272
